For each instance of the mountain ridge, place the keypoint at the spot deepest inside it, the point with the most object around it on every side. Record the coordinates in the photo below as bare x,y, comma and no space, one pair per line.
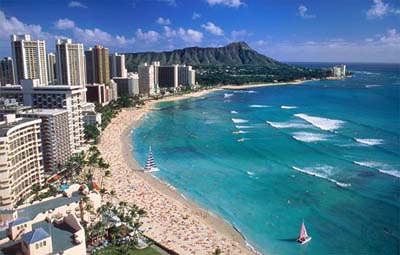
235,53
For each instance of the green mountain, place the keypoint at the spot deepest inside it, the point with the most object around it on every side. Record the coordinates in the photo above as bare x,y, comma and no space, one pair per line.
235,63
237,53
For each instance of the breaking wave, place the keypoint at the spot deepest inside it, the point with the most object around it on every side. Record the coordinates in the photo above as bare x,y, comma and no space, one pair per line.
288,107
239,120
372,86
287,124
369,141
382,168
240,127
309,137
325,175
258,106
226,95
321,123
234,112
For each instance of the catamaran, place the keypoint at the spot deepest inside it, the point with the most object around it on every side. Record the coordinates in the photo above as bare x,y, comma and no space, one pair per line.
303,238
150,163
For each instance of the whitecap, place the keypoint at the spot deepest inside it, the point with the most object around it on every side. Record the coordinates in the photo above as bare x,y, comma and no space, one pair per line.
239,132
369,141
226,95
240,127
251,91
239,120
321,123
250,173
382,168
325,175
258,106
372,86
287,124
309,137
234,112
288,107
394,173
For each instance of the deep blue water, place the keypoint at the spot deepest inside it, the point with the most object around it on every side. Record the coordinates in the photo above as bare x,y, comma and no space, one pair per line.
324,151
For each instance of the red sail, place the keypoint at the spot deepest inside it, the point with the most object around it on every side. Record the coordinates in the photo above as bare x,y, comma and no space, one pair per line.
303,231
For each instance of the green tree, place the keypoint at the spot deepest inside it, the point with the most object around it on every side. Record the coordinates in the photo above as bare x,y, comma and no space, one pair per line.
91,132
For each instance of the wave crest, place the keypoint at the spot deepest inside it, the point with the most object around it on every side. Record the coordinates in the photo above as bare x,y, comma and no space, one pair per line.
321,123
239,120
309,137
288,107
369,141
326,171
287,125
258,106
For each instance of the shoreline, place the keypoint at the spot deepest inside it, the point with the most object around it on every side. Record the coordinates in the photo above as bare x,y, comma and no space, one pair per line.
226,236
204,230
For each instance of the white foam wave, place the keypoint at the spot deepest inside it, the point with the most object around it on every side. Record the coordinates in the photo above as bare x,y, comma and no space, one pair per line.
227,95
251,91
382,168
287,125
250,173
321,123
369,141
240,132
309,137
242,127
234,112
372,86
288,107
258,106
325,175
394,173
239,120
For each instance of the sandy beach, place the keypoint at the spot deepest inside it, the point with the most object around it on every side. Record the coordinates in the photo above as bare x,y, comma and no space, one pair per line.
172,220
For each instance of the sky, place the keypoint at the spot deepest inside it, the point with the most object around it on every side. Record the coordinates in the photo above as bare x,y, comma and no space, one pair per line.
287,30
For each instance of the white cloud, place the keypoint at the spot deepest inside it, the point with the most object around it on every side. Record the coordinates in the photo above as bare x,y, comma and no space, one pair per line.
76,4
169,32
379,9
162,21
302,12
190,36
12,25
212,28
237,34
382,48
63,24
195,15
229,3
150,36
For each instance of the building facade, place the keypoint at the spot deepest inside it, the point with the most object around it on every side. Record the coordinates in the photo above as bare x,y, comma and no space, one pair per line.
6,71
29,59
117,65
32,93
55,136
51,68
127,86
147,85
168,76
70,62
97,65
186,76
20,159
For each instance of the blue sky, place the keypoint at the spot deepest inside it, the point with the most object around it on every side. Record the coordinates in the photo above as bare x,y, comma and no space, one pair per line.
288,30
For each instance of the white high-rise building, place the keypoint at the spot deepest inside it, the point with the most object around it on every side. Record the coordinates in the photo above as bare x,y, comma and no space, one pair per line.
186,76
29,58
117,65
51,68
71,69
147,85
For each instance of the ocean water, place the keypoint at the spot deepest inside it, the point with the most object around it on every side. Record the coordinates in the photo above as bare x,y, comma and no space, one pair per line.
266,158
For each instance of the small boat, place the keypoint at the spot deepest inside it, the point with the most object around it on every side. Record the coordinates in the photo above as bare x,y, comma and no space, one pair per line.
240,140
303,238
150,163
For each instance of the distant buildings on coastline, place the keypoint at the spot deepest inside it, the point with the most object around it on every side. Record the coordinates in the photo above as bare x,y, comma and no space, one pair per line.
339,71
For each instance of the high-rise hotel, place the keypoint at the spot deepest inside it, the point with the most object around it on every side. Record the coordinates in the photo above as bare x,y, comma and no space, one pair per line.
70,62
117,65
20,159
97,65
29,58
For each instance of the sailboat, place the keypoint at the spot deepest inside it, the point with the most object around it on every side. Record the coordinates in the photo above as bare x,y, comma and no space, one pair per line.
303,238
150,163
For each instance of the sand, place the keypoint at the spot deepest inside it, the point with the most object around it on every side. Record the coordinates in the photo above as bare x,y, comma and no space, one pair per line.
172,220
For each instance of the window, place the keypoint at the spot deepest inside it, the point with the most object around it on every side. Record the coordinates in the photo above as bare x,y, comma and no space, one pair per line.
44,243
37,246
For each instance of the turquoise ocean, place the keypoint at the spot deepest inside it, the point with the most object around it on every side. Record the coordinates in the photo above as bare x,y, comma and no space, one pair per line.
266,158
